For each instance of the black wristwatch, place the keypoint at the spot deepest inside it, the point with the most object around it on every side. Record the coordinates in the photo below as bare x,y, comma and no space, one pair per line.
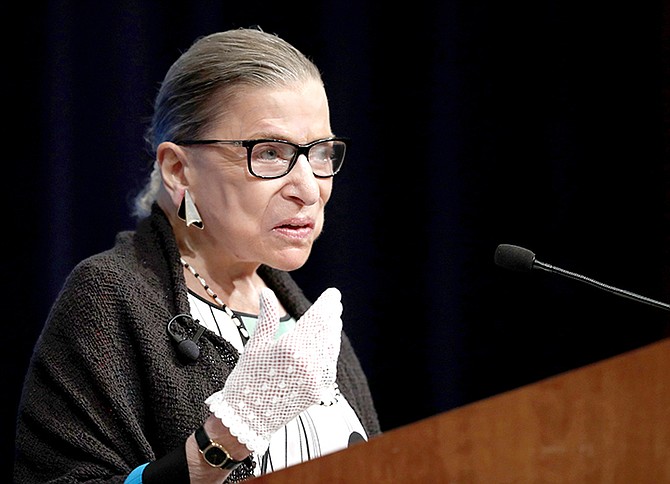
213,452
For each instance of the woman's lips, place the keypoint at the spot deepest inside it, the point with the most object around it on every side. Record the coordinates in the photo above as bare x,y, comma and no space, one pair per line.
295,228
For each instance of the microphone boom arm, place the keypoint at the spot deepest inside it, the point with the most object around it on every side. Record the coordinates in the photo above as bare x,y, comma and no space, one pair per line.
614,290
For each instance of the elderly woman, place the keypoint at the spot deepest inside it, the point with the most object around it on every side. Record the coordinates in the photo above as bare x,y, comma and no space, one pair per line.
187,353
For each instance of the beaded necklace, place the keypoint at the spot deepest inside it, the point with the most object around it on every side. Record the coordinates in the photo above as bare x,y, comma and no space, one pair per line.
244,334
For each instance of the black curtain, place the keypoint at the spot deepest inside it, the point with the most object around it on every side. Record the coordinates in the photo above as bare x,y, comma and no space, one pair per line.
539,123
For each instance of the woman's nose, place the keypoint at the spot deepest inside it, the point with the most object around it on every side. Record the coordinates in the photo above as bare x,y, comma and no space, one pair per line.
306,186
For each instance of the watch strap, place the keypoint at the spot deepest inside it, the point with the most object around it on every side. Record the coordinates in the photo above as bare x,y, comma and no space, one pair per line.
206,445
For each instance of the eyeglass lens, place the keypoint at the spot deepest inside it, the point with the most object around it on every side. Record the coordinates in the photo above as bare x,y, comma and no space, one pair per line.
274,158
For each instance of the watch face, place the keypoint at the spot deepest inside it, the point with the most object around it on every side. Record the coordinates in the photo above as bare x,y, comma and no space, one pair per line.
216,456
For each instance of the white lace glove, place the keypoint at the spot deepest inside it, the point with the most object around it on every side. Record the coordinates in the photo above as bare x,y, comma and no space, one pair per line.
276,379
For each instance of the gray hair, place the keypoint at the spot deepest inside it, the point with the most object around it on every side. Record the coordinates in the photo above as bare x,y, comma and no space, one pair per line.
208,71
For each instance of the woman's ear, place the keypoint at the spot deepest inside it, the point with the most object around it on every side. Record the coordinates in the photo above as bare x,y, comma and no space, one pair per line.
172,160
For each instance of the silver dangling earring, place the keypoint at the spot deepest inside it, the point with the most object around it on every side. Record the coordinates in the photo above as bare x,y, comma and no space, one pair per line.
188,213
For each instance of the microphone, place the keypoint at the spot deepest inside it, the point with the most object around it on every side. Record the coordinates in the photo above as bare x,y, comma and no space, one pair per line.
186,347
519,259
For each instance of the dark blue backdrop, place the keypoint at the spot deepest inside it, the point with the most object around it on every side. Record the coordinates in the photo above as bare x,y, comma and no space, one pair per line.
541,123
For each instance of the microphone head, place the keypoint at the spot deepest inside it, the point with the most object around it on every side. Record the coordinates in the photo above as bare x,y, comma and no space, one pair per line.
514,258
188,349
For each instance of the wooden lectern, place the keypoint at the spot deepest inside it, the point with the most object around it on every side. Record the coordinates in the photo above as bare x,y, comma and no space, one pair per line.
608,422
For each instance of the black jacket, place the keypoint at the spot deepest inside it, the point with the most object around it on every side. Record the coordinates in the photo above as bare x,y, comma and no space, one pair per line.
106,390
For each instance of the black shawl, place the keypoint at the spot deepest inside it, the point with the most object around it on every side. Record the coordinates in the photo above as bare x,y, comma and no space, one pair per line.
106,391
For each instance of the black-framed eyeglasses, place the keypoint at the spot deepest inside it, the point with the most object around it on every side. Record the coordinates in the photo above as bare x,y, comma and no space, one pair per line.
274,158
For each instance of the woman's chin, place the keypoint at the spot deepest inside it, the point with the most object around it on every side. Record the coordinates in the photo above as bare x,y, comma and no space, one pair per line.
289,260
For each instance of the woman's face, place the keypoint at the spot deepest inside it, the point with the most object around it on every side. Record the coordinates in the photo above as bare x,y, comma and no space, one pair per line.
254,221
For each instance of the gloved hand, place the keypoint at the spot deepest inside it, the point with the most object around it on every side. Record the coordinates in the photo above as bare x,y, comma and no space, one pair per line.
276,379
